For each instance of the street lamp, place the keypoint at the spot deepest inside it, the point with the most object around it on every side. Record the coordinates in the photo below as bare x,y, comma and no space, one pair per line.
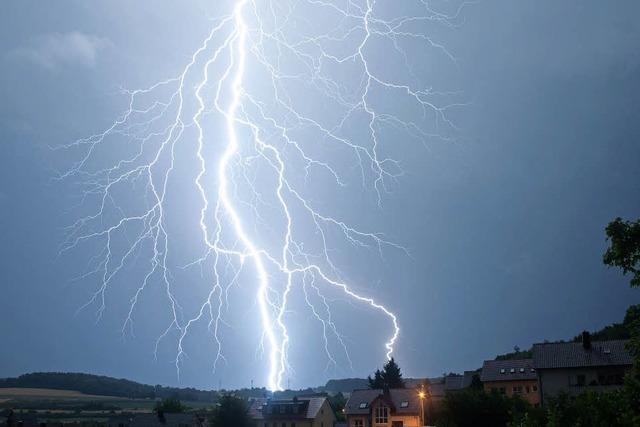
422,395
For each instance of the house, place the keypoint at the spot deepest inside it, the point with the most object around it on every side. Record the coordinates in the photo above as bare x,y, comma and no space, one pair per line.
512,378
384,408
573,367
310,411
438,387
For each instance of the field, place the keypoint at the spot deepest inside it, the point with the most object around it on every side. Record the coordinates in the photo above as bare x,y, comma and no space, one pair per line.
17,393
70,401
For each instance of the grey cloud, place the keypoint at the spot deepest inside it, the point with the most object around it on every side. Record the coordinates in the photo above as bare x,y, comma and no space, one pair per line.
54,50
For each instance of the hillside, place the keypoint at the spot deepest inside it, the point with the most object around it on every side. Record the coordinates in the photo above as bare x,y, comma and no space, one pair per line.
346,385
104,386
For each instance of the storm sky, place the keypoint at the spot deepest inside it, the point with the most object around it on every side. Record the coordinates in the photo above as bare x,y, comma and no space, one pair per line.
504,223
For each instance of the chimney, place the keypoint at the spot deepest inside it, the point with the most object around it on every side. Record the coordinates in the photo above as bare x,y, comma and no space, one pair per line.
586,340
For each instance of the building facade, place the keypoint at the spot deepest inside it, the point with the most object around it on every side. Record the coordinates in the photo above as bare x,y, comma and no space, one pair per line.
297,412
384,408
511,378
574,367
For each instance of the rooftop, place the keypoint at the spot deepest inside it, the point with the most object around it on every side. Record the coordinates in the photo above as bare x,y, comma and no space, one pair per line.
508,370
296,408
402,401
575,355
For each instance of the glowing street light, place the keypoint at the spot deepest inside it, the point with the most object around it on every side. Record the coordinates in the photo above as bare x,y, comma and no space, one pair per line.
422,395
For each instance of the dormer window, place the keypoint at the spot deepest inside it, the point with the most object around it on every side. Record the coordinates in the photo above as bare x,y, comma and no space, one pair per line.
502,371
363,405
522,370
404,404
512,370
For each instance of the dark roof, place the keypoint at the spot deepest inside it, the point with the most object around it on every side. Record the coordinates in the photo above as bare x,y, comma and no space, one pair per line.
458,382
436,389
508,370
574,355
395,398
296,408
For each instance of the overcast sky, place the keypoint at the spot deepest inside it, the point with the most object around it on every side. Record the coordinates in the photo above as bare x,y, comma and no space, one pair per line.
504,224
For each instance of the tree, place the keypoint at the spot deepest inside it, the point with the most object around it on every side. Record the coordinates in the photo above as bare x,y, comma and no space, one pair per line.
473,408
476,384
338,403
390,376
231,412
377,381
624,251
170,405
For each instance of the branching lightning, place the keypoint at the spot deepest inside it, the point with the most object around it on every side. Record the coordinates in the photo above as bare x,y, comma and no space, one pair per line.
260,168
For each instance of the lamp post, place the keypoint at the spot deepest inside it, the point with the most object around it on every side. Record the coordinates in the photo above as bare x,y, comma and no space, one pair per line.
422,396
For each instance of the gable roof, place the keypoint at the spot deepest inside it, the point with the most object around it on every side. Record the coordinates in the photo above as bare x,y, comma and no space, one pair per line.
403,401
296,408
458,382
508,370
574,355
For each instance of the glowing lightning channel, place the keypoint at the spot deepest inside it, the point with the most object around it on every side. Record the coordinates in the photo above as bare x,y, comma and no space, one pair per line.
266,128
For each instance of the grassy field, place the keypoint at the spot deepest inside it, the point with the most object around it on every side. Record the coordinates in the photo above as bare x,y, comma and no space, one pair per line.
42,399
13,393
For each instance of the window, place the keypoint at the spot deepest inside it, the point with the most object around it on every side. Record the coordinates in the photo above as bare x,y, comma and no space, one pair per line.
397,423
282,410
512,370
358,423
363,405
535,388
502,371
581,380
503,390
382,415
521,370
404,404
527,390
517,389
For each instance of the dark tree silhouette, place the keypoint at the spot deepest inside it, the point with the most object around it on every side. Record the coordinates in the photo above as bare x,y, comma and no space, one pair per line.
377,381
231,412
170,405
624,251
390,376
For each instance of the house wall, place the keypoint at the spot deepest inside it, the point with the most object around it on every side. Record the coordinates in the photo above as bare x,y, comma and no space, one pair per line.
407,420
325,417
577,380
532,395
351,420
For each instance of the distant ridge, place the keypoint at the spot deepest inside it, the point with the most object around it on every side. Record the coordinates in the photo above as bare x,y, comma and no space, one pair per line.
105,386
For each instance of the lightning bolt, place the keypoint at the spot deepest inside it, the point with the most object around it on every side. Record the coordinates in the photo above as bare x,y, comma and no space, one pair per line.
257,134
